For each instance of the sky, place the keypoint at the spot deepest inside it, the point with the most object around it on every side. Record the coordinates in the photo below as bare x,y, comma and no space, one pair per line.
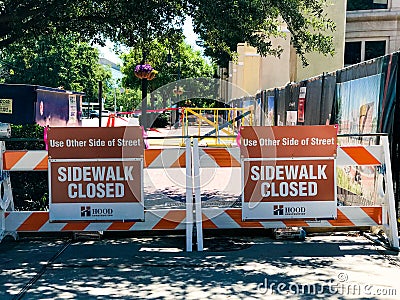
190,38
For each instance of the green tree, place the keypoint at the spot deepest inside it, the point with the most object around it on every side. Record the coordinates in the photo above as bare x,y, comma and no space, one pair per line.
54,61
126,98
221,24
186,63
129,22
257,21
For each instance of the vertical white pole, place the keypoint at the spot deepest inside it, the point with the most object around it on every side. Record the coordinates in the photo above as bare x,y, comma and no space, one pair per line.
197,196
2,224
389,197
189,197
6,202
2,209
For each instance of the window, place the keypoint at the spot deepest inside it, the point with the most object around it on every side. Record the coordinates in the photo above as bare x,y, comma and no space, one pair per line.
374,49
352,53
366,4
355,52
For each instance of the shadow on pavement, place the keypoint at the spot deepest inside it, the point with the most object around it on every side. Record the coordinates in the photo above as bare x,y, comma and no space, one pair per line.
156,267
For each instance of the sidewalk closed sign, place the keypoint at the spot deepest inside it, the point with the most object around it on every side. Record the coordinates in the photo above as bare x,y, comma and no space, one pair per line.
95,174
288,172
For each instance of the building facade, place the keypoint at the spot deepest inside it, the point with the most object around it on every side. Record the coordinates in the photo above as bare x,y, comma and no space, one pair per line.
252,73
372,29
365,29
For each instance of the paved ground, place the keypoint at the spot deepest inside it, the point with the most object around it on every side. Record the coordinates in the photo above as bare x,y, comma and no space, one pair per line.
240,267
166,187
234,265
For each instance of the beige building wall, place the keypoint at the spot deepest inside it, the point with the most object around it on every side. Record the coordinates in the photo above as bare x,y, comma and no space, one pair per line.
254,73
319,63
244,74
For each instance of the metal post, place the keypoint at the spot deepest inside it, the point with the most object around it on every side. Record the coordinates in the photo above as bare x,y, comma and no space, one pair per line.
100,100
6,201
197,196
389,197
115,101
144,103
189,197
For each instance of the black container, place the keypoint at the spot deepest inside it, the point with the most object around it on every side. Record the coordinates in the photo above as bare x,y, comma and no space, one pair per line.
29,104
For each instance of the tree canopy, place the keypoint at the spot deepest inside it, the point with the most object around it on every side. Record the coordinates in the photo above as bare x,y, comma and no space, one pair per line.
54,60
221,24
185,63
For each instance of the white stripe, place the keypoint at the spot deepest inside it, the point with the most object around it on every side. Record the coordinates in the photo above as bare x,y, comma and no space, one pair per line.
273,224
321,223
151,219
220,218
95,226
235,153
29,161
343,159
16,219
206,161
57,227
357,216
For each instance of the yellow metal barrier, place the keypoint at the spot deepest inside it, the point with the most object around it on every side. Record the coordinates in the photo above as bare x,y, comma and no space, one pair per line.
225,123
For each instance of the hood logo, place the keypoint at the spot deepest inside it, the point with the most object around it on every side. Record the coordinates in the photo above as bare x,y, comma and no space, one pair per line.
85,211
278,210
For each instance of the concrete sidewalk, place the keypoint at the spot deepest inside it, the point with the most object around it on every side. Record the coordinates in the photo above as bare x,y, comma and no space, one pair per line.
231,267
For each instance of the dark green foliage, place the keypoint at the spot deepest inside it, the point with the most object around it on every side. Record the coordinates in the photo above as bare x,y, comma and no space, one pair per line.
186,63
156,120
161,120
221,24
30,189
54,61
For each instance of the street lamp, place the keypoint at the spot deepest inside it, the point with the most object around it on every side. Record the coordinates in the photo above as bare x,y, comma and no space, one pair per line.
170,61
144,72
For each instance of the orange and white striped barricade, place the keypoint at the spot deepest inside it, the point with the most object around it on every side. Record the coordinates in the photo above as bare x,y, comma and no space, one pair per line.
37,160
6,197
160,219
38,221
382,215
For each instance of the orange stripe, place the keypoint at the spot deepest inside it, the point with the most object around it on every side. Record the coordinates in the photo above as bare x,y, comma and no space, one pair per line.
361,155
10,158
341,220
43,165
180,162
171,220
121,225
75,226
207,223
375,213
222,157
236,215
34,222
150,155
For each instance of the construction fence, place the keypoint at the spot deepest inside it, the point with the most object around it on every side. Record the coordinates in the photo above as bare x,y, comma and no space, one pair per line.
361,99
